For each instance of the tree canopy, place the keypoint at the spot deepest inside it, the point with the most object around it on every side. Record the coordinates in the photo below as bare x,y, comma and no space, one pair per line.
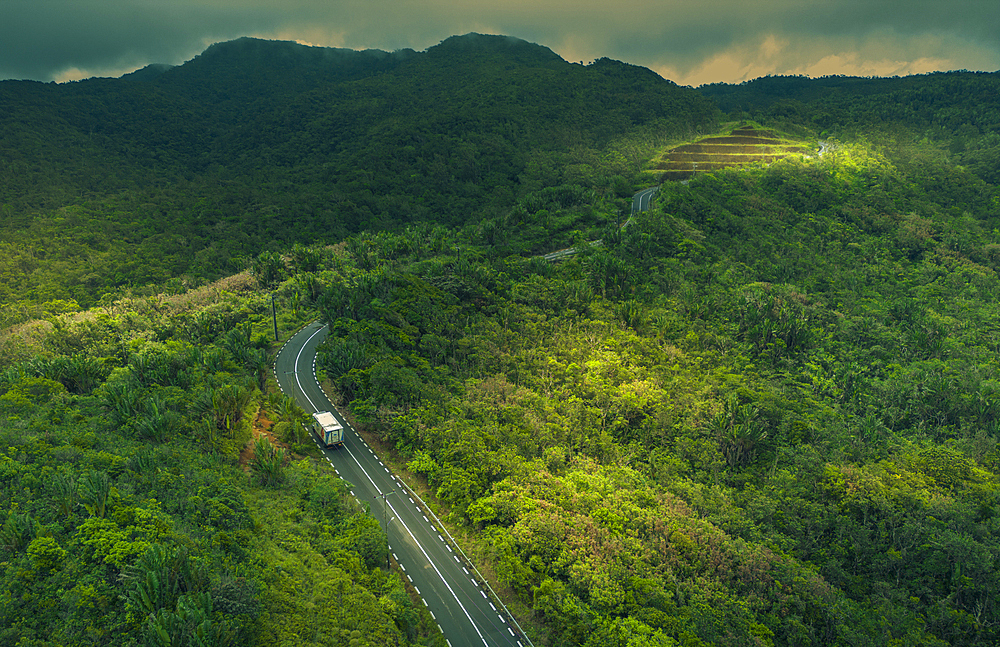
763,412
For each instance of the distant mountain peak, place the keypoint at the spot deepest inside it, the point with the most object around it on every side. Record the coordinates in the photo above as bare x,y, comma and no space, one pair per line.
508,46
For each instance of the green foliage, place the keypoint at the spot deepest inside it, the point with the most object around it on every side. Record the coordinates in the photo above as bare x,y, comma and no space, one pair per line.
267,464
65,493
94,488
738,430
268,268
768,412
46,553
18,530
226,413
31,390
118,527
113,186
762,413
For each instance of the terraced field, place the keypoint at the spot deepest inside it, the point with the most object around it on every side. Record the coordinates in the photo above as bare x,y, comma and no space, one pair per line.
743,145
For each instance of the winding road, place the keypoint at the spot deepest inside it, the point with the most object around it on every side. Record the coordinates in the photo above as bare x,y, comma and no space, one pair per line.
461,603
640,202
466,610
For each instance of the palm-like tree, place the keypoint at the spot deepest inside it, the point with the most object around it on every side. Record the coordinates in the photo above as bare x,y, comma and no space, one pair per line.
64,493
122,400
94,489
268,463
738,430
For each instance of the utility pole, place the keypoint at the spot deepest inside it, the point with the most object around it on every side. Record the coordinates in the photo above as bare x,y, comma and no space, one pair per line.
274,318
385,516
388,548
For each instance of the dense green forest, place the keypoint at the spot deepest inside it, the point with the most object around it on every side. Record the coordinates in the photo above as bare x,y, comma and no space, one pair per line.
764,413
182,173
129,517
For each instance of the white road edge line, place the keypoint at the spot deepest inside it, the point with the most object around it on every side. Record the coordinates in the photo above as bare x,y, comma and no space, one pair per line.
379,490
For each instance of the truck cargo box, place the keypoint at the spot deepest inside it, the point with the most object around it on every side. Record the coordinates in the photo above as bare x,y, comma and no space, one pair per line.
328,429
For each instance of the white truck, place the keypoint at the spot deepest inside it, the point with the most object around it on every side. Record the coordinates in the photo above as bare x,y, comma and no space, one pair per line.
328,429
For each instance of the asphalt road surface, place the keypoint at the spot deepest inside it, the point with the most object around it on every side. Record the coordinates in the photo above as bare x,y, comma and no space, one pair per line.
641,200
461,604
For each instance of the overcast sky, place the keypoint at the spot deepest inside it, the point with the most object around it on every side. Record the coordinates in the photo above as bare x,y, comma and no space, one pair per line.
689,42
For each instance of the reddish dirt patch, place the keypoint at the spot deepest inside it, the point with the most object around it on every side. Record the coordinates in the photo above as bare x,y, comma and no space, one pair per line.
261,427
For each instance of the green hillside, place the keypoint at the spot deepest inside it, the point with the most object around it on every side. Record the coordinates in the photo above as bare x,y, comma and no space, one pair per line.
764,413
190,169
955,112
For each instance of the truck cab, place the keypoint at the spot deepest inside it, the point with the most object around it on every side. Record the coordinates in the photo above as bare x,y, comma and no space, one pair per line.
328,429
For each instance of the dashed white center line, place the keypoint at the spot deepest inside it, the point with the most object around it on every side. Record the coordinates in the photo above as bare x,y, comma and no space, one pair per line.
412,501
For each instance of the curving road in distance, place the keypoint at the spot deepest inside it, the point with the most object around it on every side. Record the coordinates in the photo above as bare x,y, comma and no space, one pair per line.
461,604
641,200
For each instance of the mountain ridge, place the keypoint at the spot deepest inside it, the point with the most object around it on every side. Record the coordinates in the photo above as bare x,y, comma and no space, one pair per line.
277,142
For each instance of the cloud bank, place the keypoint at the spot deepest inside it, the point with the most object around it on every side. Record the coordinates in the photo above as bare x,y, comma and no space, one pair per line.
689,43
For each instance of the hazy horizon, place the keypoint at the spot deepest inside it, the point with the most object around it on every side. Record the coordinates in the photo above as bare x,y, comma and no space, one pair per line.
717,41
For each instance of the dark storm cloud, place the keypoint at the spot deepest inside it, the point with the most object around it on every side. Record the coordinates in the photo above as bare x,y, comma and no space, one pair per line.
39,39
687,41
682,37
